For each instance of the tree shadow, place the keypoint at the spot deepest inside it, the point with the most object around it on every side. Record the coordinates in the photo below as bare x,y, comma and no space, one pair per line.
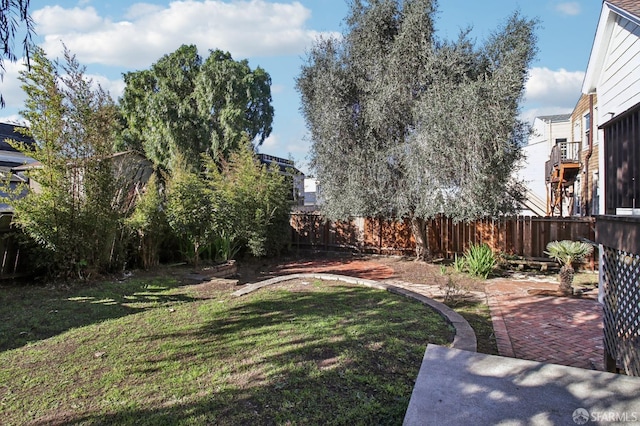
457,387
32,313
340,378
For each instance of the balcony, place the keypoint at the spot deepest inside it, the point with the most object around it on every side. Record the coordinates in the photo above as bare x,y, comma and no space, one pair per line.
561,172
564,163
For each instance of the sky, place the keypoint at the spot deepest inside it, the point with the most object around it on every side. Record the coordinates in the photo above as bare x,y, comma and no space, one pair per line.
114,37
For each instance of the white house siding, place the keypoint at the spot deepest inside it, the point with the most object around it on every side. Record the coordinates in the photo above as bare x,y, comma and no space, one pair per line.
613,71
619,85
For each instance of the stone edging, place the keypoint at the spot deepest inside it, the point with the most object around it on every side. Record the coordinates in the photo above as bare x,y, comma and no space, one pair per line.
465,338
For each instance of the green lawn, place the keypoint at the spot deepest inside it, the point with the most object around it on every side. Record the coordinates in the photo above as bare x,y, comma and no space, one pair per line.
154,352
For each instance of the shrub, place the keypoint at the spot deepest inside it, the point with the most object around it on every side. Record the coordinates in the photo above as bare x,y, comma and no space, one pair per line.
479,260
566,253
251,202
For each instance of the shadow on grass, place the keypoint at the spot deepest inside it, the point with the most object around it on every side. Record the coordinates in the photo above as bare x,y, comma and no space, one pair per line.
478,316
349,357
32,313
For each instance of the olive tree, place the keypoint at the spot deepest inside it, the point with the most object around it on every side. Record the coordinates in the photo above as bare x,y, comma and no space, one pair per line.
404,124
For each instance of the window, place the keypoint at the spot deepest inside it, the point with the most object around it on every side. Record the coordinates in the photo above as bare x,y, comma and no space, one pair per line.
587,129
562,145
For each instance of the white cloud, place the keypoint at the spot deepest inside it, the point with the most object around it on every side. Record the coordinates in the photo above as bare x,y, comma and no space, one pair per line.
269,143
560,88
58,20
141,9
277,88
114,87
10,86
570,8
250,28
299,147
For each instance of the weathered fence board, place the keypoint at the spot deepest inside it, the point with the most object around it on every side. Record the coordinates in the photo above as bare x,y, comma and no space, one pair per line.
518,235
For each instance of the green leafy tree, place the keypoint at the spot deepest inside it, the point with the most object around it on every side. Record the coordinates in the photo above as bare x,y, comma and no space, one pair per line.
149,222
182,106
406,125
190,210
68,210
252,202
14,15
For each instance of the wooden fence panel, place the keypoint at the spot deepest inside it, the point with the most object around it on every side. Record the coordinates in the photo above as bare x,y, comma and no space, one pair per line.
518,235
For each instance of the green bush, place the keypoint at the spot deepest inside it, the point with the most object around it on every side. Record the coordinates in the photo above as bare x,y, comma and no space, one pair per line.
479,260
251,202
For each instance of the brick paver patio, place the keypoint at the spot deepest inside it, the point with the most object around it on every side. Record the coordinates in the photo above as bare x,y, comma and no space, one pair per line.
558,330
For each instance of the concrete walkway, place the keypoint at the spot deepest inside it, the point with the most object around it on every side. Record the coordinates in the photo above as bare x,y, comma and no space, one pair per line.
457,387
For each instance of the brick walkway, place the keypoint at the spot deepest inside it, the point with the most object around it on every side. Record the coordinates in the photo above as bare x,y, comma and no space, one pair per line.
558,330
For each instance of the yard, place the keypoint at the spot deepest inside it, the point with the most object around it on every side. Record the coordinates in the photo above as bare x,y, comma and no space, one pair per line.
160,348
156,350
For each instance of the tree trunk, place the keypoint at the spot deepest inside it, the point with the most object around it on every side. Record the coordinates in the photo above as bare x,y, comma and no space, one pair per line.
566,278
420,232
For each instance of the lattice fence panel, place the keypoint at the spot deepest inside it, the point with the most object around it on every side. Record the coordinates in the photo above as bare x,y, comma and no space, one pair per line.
622,308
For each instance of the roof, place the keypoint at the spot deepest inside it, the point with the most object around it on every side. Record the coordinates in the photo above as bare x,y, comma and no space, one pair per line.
556,117
631,6
7,131
286,166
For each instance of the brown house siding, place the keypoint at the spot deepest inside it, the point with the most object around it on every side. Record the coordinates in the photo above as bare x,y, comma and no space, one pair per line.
590,164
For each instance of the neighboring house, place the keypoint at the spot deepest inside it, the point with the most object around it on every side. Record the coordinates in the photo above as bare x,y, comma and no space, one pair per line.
562,166
548,131
613,73
288,169
12,263
312,193
585,132
11,157
131,171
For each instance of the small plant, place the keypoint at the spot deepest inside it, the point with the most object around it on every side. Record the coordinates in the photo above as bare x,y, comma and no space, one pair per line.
567,252
226,247
443,270
458,263
452,291
480,260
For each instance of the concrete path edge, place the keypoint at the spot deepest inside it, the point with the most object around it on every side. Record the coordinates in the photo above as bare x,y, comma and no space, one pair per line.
465,337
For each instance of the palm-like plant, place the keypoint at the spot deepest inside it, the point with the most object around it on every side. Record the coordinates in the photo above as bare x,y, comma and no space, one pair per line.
567,252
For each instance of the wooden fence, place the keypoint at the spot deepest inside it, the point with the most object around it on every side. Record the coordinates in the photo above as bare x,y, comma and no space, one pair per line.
517,235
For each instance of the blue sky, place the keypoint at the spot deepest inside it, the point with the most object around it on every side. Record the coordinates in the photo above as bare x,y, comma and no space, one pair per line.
113,37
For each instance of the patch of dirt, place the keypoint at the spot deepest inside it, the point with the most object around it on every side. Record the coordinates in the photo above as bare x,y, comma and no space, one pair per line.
418,272
211,289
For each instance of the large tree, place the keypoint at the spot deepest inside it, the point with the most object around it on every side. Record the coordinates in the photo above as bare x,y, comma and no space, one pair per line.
14,17
184,106
406,125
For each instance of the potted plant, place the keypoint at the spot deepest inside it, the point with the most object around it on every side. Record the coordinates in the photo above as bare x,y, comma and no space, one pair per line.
567,252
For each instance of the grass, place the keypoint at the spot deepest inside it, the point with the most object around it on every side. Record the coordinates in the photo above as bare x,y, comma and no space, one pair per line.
478,316
154,352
